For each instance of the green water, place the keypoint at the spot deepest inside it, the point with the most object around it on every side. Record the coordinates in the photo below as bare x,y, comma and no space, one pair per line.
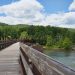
67,57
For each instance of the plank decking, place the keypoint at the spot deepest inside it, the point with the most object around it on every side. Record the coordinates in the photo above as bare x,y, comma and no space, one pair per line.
9,60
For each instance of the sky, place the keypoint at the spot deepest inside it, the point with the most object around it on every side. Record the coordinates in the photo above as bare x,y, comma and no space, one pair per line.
59,13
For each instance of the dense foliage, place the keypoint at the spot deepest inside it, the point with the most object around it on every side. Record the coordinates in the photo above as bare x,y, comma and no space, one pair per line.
44,35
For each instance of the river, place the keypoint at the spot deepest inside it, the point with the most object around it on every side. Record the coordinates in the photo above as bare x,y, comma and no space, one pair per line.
67,57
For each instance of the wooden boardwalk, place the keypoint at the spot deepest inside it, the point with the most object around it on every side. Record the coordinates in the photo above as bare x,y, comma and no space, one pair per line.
32,62
9,60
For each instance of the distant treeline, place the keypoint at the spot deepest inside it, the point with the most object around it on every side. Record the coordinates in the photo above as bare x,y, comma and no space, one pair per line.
44,35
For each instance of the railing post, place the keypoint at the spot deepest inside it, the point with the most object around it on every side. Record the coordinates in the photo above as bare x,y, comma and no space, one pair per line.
5,43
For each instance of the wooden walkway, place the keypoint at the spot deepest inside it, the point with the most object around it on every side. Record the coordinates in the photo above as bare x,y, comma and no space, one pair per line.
32,62
9,60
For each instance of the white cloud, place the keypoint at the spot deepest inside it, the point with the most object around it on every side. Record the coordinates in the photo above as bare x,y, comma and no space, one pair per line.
72,6
23,11
61,20
31,12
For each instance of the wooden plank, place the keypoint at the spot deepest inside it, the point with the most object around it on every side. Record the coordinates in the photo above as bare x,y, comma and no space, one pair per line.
9,60
45,64
26,66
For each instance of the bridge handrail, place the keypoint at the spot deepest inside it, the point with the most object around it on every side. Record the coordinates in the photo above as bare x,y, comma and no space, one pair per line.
45,64
4,43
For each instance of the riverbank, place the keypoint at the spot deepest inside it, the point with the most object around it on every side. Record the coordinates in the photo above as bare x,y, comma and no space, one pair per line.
52,48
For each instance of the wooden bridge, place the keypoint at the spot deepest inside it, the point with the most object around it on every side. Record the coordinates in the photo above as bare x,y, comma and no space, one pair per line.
21,59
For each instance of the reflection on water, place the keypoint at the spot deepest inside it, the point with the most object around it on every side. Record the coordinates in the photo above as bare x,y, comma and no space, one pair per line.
66,57
67,53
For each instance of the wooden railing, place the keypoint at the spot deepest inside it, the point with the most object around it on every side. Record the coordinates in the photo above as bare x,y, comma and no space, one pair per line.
37,63
4,44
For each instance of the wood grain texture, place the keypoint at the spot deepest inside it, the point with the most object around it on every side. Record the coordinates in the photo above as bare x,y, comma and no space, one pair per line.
45,64
9,60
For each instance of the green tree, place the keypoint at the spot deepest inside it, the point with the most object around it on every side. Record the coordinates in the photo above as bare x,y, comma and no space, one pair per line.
24,35
49,41
40,35
66,44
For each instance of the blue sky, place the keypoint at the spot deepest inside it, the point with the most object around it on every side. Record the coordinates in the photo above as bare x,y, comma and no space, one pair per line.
43,12
53,6
5,2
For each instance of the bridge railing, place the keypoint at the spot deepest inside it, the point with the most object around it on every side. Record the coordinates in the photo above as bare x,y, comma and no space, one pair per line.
37,63
4,43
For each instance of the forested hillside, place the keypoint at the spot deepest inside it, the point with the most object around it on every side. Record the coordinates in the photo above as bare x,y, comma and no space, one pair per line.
44,35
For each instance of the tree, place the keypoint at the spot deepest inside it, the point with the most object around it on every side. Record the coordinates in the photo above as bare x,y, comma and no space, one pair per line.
66,44
49,41
40,35
44,35
24,35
